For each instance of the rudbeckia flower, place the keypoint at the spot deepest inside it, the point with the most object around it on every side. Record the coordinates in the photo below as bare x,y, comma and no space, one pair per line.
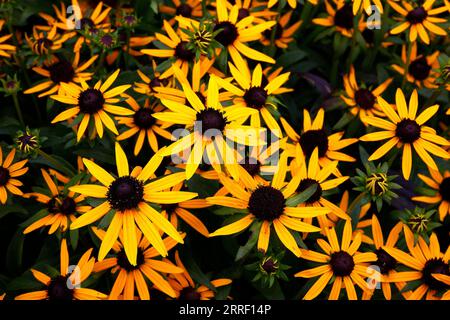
441,184
267,205
418,18
186,289
142,122
61,207
361,100
92,102
65,286
134,277
6,50
253,93
283,33
210,125
421,69
315,136
127,197
59,71
427,262
9,172
187,9
342,263
404,128
256,9
340,17
151,82
42,43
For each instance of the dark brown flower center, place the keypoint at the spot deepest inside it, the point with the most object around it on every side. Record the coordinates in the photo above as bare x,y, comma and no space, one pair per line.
344,17
61,71
311,139
184,10
67,206
408,130
87,24
305,184
243,13
4,176
342,263
143,118
58,289
124,263
211,119
125,193
266,203
156,82
42,45
270,266
365,99
91,101
444,189
251,165
129,19
107,40
228,34
438,266
255,97
417,15
182,52
189,293
278,32
419,69
26,140
385,261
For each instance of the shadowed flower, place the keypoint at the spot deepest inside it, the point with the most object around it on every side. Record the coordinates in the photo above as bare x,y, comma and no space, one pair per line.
9,172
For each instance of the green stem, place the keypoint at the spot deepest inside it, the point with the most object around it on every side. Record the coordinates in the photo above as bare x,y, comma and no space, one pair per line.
355,202
18,110
100,63
273,48
408,61
353,43
59,166
127,56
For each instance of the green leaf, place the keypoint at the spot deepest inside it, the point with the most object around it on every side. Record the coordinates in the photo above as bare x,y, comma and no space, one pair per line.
301,197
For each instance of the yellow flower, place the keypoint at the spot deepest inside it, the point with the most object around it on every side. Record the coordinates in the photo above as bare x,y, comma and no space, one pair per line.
131,276
283,33
9,172
366,5
65,286
187,9
42,43
60,209
421,68
405,128
430,266
186,289
152,82
61,71
143,122
419,19
253,92
341,262
94,102
128,197
362,101
440,183
267,205
6,49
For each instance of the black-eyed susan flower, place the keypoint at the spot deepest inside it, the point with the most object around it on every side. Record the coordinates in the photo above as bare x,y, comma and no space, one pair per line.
340,262
426,261
362,100
386,263
130,278
252,93
340,16
6,49
256,9
311,174
128,197
366,5
421,69
28,141
143,124
283,33
59,71
92,102
404,128
419,19
176,49
151,82
440,183
61,206
66,285
314,136
208,126
186,289
187,9
267,205
43,42
9,172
